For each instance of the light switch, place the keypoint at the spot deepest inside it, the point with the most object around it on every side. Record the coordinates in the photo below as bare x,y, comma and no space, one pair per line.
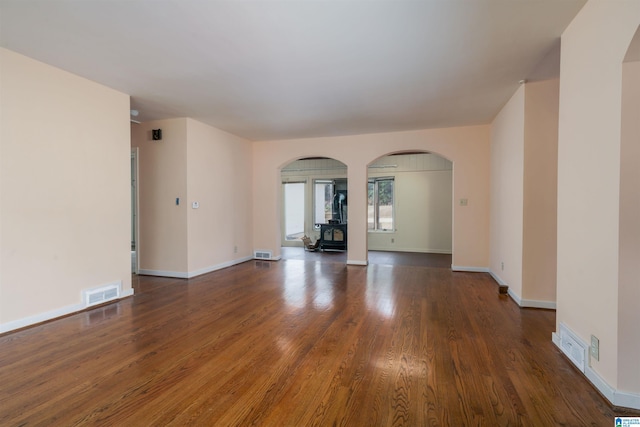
463,202
195,205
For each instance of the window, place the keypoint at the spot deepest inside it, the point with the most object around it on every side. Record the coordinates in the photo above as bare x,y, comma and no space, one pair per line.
293,210
380,201
322,201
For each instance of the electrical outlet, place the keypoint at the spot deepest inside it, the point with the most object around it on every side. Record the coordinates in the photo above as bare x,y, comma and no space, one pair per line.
393,240
235,249
502,266
595,347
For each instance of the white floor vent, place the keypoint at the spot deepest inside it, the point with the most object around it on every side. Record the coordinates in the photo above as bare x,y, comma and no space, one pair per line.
262,254
573,347
102,294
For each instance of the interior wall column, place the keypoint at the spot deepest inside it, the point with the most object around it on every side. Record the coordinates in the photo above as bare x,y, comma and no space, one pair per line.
357,214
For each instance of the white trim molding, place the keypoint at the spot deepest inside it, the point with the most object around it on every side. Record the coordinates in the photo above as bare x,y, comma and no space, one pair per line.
405,249
356,262
524,303
615,397
41,317
219,266
626,400
164,273
470,269
201,271
53,314
499,280
531,303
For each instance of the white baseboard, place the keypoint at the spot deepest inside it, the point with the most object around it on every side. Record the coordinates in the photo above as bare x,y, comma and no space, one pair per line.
615,397
514,296
357,262
41,317
498,279
164,273
605,389
394,248
218,267
531,303
555,338
50,315
525,303
199,272
469,269
127,293
627,400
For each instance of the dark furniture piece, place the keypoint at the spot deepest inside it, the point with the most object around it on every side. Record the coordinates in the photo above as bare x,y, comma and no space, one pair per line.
333,237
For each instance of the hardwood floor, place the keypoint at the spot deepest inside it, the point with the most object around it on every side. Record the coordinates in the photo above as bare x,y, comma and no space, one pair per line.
299,343
375,257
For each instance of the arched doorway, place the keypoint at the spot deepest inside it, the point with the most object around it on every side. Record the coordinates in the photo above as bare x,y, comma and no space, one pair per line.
314,195
410,203
629,226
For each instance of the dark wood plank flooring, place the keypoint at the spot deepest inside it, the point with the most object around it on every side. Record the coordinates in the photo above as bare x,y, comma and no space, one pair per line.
299,343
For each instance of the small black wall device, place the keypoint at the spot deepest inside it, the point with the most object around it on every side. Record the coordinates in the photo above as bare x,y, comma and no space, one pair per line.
156,134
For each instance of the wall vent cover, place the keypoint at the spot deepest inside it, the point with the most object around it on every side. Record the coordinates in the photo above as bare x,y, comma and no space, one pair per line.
102,294
572,347
262,255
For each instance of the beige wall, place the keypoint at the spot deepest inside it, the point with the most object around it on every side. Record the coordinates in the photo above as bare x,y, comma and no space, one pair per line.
629,287
593,47
423,204
524,144
65,190
219,178
540,191
162,178
507,161
466,147
195,163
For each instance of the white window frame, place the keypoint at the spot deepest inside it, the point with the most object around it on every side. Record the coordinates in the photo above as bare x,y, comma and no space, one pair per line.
325,181
376,207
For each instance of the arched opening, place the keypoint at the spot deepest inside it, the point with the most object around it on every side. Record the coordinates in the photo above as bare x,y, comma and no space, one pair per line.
410,204
629,231
314,204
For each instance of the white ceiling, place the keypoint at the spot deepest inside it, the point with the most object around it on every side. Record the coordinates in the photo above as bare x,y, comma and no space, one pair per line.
272,69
